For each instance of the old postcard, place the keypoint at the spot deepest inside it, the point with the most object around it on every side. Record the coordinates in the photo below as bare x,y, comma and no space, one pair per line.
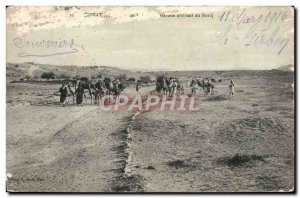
150,99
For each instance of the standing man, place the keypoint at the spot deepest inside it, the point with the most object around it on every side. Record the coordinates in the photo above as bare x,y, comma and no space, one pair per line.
137,86
63,93
79,94
231,88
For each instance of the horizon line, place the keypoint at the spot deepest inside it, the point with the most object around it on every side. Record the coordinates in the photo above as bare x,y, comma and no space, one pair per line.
154,70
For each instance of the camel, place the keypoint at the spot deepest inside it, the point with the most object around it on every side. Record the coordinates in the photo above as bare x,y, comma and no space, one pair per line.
162,84
113,88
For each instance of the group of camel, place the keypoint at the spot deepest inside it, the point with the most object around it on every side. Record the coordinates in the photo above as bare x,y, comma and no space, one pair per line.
167,85
172,86
97,90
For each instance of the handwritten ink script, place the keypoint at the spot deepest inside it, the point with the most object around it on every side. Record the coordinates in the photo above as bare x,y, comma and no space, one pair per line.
261,29
44,47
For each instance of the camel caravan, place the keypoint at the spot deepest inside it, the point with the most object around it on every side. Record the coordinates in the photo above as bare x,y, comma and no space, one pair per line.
107,89
172,86
76,89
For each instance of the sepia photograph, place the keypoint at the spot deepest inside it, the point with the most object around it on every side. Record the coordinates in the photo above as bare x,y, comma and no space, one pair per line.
150,99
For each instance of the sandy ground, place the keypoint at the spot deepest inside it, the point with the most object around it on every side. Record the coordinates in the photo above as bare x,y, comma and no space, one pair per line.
62,149
194,151
242,143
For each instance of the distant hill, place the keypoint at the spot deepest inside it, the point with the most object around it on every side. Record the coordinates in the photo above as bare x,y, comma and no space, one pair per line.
286,68
16,71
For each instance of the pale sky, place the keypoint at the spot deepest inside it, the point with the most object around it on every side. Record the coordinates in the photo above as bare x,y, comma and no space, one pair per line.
244,38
